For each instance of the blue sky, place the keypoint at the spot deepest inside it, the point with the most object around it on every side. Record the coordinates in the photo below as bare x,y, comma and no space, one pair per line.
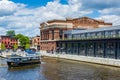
37,3
25,16
33,3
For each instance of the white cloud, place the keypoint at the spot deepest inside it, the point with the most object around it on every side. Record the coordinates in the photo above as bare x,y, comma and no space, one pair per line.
9,7
24,20
111,18
27,20
110,11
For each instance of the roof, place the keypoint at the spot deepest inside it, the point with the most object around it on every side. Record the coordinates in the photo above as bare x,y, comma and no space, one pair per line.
93,30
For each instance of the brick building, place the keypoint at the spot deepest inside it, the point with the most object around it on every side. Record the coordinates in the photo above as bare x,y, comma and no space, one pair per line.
8,41
53,31
35,42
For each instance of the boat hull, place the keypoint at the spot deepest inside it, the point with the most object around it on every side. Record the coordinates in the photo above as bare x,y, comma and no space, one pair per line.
18,64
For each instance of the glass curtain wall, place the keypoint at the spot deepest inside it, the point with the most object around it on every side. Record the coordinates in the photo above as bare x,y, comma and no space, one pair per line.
90,49
75,48
63,48
93,35
83,36
82,49
69,48
119,33
110,34
99,49
118,50
99,34
110,50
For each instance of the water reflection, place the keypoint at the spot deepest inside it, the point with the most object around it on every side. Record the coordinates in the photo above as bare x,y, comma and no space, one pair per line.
58,69
23,67
70,70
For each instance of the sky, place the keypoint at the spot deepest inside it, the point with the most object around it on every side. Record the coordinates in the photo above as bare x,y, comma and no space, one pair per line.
25,16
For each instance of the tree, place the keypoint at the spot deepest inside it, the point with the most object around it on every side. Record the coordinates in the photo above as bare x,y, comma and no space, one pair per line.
18,36
15,47
10,33
23,40
3,47
27,46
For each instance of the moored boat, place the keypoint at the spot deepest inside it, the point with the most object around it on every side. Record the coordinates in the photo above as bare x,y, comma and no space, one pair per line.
22,61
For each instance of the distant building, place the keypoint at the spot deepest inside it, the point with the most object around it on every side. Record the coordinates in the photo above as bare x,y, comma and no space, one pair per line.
53,31
8,41
35,42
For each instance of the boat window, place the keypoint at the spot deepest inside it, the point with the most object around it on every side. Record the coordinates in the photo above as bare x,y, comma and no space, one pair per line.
24,59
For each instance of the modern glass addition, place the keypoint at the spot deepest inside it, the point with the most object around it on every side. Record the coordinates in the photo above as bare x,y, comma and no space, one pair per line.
99,50
95,35
118,34
75,48
118,50
110,50
82,49
90,49
100,43
69,48
103,49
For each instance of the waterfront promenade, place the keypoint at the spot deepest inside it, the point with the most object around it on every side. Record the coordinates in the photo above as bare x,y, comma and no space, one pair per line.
97,60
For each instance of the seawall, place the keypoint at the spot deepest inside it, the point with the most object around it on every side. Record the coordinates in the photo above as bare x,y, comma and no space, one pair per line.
96,60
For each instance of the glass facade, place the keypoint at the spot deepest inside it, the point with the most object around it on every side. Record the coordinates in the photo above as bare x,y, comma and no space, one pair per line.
103,49
96,43
118,34
95,35
82,50
63,48
99,34
75,48
90,49
99,49
69,48
110,50
110,34
118,50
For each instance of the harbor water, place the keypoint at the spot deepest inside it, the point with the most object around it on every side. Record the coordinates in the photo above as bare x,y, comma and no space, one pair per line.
59,69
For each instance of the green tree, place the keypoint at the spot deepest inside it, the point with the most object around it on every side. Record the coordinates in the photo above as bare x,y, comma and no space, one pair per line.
18,36
15,47
27,46
10,33
22,39
3,47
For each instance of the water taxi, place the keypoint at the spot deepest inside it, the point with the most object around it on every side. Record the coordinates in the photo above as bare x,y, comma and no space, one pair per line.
22,61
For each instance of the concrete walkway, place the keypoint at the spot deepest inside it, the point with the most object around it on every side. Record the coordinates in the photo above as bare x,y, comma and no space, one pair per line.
97,60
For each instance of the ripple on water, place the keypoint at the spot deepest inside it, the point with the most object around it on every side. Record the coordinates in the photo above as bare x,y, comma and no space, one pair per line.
52,69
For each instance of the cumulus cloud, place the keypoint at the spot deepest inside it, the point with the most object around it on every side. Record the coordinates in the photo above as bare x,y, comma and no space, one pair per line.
111,18
25,20
115,11
9,7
